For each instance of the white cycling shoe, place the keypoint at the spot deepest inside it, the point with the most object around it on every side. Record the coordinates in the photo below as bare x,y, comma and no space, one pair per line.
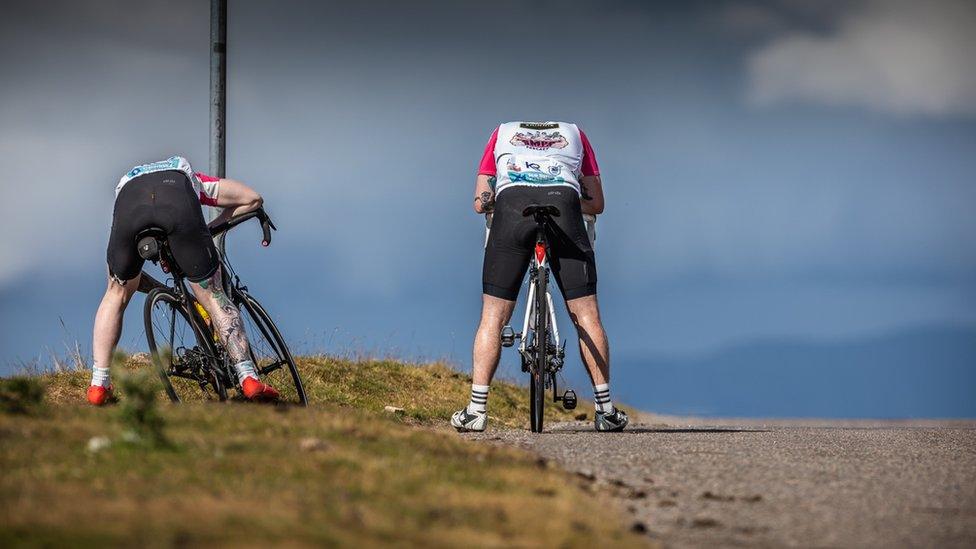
610,422
464,421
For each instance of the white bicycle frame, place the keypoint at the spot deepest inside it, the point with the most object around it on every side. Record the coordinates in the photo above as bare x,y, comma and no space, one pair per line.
535,347
543,270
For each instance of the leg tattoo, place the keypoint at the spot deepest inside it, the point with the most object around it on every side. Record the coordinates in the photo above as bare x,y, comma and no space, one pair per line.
226,319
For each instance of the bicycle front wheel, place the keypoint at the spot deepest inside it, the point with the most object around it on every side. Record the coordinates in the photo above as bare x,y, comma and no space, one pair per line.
185,359
270,353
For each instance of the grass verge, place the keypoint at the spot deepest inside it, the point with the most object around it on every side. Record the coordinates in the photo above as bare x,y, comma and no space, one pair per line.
342,472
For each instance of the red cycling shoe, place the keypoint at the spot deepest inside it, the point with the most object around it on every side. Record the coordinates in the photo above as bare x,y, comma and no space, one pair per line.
100,396
256,391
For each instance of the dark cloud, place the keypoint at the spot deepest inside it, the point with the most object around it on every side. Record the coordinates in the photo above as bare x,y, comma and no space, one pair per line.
362,123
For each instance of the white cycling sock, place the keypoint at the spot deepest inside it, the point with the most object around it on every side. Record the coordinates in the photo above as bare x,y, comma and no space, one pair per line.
601,398
245,369
100,376
479,399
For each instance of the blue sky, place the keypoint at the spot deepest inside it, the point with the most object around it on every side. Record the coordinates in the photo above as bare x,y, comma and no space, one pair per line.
772,169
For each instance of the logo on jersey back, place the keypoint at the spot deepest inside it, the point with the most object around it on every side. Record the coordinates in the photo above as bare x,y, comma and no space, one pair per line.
172,163
532,173
539,125
539,140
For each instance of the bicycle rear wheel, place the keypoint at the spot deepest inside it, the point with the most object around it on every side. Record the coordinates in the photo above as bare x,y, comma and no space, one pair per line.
269,352
185,359
537,373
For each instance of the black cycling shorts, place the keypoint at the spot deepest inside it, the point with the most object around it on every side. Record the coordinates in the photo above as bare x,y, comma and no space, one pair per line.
512,240
165,200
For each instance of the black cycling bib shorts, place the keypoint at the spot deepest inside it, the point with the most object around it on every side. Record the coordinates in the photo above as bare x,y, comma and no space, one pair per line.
165,200
512,240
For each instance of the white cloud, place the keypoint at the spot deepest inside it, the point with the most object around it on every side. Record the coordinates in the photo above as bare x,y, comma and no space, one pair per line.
895,56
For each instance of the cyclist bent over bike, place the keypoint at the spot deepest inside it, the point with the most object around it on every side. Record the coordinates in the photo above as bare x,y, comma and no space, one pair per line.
539,163
168,194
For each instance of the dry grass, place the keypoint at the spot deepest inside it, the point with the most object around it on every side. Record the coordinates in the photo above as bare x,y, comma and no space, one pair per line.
342,472
429,393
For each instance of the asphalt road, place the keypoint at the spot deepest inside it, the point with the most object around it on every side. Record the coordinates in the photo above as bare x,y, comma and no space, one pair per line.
691,483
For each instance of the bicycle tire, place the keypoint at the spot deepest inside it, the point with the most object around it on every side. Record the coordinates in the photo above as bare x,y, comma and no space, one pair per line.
259,318
537,382
181,368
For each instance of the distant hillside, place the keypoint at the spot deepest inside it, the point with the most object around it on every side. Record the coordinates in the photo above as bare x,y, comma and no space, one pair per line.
929,372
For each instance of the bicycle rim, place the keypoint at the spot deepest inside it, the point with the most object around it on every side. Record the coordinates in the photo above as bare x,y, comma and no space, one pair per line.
182,357
270,352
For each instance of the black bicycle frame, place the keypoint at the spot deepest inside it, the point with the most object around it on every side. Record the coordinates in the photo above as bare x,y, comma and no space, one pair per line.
232,288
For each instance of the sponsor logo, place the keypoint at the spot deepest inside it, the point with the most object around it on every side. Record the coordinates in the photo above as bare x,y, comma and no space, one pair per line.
539,125
539,140
532,172
536,178
168,164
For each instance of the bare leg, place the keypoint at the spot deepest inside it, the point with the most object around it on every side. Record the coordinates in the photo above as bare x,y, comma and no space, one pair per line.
593,345
495,312
108,320
224,315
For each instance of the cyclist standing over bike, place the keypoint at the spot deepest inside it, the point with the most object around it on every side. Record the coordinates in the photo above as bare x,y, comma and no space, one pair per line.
168,194
539,163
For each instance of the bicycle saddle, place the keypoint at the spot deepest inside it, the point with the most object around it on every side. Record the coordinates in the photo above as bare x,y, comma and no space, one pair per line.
542,209
149,241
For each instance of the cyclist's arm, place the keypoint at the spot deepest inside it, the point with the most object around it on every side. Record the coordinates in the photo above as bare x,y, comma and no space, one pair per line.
483,184
592,187
235,198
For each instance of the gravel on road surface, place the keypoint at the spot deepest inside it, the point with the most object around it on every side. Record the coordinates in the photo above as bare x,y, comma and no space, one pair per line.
744,482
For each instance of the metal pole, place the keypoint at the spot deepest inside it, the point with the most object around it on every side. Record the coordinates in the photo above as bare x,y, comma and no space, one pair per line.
218,87
218,98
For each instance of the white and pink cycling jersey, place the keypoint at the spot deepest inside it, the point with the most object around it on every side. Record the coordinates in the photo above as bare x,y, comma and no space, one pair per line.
538,154
206,187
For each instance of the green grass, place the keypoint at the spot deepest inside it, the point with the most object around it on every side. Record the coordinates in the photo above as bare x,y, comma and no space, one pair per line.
341,472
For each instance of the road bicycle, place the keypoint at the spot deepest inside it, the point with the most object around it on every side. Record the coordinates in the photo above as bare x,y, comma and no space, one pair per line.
541,353
186,350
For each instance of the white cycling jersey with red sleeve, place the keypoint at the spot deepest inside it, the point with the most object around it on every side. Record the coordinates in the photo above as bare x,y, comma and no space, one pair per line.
206,187
538,154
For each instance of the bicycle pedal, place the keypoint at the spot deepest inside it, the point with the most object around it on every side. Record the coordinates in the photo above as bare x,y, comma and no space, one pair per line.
508,336
569,399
